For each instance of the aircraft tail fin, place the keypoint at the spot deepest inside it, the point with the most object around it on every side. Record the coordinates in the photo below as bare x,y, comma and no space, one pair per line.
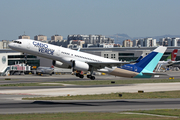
148,63
172,56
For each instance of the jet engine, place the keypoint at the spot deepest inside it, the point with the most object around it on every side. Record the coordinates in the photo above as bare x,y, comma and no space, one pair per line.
60,64
78,65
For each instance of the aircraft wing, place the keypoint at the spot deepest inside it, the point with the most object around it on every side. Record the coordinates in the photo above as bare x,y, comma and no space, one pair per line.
100,65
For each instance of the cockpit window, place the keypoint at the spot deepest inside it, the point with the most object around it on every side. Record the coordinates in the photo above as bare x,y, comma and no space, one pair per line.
17,42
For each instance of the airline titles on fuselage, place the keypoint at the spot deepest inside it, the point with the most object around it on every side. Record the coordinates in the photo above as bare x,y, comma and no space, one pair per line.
87,58
90,59
43,48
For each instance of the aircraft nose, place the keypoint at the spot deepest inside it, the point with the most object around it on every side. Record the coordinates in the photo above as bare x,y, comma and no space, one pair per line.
10,45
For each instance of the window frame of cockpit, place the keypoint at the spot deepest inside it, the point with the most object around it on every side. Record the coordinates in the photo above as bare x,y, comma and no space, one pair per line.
17,42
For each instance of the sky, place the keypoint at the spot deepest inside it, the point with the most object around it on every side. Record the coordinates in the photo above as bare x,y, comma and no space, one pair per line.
136,18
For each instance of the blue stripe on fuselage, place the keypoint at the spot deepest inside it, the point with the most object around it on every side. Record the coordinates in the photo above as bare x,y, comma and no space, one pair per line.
131,67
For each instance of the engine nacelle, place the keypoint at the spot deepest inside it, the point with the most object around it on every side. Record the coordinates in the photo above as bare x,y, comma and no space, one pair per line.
60,64
78,65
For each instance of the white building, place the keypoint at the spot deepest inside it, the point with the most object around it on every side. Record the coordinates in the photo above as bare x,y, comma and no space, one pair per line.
169,41
91,39
161,41
57,38
141,42
127,43
41,38
149,42
4,44
146,42
175,41
135,43
154,43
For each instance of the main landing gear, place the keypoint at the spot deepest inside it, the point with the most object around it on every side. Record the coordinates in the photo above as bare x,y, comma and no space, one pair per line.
80,75
91,77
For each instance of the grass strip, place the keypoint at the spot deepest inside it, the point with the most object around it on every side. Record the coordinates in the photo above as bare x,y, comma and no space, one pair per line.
19,84
148,95
165,112
87,116
29,84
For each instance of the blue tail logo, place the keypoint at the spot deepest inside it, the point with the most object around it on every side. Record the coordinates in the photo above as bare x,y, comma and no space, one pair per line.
146,66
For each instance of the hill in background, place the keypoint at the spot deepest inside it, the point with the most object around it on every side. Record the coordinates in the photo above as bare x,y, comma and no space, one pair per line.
119,38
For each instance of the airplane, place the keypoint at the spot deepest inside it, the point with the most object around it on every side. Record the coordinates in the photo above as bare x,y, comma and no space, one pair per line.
44,70
169,61
172,56
77,60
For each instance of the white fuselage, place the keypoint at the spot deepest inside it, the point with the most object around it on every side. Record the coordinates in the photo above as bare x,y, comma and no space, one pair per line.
88,62
57,53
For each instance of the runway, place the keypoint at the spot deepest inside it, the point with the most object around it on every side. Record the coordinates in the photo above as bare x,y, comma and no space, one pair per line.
11,103
75,90
46,78
58,78
16,106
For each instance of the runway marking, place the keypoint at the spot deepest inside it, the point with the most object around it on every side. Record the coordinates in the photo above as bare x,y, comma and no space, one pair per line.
132,113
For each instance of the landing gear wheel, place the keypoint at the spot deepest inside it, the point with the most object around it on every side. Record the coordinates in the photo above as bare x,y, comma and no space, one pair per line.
81,76
77,75
92,78
88,76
